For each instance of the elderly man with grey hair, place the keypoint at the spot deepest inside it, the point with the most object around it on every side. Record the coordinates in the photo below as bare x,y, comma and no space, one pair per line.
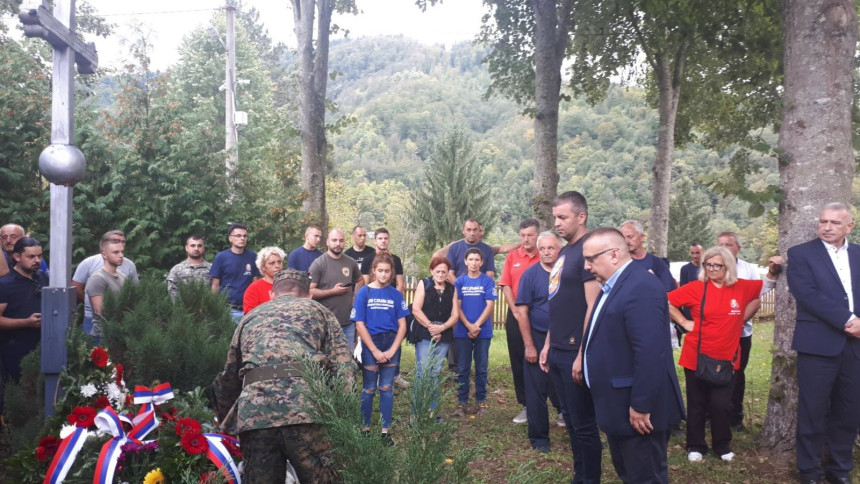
634,235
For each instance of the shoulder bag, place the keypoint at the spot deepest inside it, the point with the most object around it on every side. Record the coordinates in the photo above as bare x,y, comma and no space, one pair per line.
716,372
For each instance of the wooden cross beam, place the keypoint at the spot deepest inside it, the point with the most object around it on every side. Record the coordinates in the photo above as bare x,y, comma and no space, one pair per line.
39,23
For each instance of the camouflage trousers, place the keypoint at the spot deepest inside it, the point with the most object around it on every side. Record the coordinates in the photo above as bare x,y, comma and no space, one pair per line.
266,452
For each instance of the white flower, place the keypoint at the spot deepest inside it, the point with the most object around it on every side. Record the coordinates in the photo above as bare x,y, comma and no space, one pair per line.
67,430
114,393
88,390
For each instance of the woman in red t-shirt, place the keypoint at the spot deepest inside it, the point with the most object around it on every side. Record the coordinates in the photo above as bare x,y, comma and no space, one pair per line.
270,261
729,302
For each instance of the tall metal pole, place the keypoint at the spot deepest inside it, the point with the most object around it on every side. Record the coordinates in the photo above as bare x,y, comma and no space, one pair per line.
231,144
63,165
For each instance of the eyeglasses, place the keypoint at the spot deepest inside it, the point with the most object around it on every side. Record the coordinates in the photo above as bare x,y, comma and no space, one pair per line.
591,258
714,267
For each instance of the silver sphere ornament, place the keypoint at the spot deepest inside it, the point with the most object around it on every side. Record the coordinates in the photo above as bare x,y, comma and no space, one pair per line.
62,164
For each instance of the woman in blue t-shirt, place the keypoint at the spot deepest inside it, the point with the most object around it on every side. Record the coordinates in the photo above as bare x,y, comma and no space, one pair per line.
473,333
379,313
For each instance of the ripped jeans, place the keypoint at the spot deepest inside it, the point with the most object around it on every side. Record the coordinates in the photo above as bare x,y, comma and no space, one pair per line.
379,376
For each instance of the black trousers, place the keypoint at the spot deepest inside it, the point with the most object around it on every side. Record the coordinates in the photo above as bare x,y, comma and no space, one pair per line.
640,459
704,399
740,382
517,354
538,388
827,411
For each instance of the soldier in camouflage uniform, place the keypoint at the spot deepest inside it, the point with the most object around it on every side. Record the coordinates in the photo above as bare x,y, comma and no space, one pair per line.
258,395
193,268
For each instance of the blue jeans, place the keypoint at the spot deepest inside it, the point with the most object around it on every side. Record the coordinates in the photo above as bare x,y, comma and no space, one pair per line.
422,353
379,376
349,332
236,315
577,407
480,350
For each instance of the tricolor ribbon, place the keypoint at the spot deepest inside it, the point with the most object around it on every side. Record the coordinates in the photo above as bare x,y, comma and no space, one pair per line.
220,456
146,421
109,422
65,456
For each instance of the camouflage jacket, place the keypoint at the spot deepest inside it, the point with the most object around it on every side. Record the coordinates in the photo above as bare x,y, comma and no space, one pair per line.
282,331
185,272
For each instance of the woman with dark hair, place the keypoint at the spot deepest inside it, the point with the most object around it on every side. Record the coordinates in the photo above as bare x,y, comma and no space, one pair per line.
436,311
379,313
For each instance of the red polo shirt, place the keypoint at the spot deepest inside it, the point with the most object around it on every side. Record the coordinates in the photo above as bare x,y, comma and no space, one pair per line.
515,264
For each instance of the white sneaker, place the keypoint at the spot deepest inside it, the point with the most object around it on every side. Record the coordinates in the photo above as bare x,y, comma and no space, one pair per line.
560,421
728,457
521,417
694,456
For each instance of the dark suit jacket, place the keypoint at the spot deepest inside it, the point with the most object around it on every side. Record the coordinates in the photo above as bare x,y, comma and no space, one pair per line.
629,356
822,303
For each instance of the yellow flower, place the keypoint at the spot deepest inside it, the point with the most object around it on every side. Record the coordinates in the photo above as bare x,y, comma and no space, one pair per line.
449,461
154,477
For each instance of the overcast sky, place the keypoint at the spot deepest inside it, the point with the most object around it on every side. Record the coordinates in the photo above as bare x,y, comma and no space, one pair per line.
170,20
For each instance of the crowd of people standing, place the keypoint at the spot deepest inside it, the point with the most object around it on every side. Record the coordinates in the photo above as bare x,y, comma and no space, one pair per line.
591,321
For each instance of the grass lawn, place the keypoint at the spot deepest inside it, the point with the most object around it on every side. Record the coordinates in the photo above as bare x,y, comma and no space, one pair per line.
506,454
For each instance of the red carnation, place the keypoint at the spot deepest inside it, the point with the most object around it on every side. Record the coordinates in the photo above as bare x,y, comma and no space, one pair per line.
186,424
208,477
231,447
99,356
47,448
165,416
194,442
120,371
101,402
129,399
82,416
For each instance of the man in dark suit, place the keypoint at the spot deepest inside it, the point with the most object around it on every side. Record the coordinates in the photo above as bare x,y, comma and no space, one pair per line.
628,361
824,278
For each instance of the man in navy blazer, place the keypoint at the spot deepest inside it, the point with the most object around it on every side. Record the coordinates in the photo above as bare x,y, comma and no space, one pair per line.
628,361
824,278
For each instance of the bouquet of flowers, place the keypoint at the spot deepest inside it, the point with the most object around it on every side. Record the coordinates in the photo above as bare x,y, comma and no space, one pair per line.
110,434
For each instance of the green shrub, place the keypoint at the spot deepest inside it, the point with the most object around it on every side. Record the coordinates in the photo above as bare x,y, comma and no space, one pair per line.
424,452
183,342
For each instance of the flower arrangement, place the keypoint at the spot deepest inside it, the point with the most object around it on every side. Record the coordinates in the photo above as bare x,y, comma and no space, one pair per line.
102,433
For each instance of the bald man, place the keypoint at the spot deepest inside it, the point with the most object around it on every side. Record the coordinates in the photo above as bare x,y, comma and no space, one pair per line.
9,234
302,257
334,279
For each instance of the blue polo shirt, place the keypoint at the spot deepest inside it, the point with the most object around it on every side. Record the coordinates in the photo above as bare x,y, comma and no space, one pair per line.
457,256
533,292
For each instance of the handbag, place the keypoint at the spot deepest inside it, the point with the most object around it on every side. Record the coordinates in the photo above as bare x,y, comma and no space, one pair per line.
716,372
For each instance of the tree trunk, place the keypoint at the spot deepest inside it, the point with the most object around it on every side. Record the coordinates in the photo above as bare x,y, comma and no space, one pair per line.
669,88
816,167
313,77
552,24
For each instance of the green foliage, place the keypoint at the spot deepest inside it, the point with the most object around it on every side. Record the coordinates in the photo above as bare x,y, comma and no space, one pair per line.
454,189
689,221
184,343
423,454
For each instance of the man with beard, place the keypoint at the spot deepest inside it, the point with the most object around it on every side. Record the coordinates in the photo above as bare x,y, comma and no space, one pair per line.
20,308
335,278
193,268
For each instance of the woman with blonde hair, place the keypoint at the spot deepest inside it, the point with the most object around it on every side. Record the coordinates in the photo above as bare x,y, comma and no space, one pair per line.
719,303
270,261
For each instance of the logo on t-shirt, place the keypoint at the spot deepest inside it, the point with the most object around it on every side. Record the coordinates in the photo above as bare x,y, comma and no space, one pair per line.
555,276
345,271
247,270
404,306
352,314
495,293
736,308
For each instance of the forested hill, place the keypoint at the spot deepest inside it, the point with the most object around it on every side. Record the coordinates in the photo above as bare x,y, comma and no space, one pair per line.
403,96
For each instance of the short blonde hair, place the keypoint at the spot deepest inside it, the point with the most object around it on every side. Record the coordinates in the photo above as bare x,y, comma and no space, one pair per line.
728,260
266,252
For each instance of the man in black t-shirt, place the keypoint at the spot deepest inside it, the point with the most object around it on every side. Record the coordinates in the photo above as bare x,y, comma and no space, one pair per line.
381,239
572,292
359,251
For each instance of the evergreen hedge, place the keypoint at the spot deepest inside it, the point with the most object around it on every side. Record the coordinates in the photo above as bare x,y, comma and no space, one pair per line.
183,342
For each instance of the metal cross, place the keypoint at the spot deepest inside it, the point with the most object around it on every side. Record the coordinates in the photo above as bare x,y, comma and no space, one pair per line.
63,165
